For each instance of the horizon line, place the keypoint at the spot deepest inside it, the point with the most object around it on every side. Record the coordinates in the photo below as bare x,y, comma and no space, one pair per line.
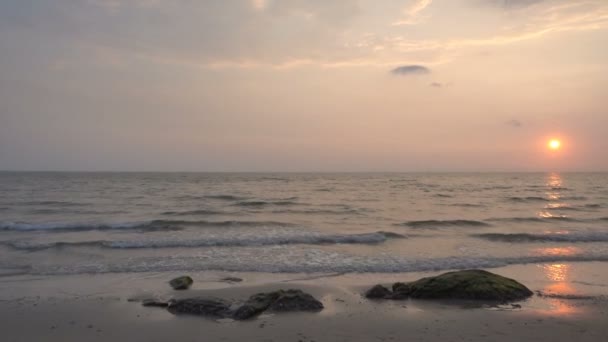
303,172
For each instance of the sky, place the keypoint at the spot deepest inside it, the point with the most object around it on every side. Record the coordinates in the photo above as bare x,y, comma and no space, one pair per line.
303,85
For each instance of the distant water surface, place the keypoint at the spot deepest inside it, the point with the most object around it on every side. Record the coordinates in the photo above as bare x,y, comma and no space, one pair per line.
74,223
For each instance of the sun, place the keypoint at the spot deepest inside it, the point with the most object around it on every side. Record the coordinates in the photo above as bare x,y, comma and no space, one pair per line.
554,144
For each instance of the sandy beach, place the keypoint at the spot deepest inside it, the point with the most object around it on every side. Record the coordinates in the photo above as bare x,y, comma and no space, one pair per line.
106,307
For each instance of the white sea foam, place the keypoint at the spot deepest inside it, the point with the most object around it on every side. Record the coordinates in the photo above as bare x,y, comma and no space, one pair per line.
282,260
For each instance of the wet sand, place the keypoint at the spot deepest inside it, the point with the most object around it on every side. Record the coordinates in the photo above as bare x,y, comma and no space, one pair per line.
101,308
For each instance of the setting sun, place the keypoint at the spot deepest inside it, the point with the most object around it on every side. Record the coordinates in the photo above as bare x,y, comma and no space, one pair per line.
554,144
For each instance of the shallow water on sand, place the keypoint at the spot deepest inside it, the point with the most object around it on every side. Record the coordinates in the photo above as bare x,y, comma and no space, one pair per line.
75,223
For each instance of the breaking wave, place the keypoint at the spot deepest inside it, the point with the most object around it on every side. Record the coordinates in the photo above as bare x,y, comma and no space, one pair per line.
308,239
533,219
156,225
192,212
529,199
265,203
275,260
444,223
548,237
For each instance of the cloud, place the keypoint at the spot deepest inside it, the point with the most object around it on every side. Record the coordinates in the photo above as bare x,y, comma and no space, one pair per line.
510,3
406,70
279,34
411,14
515,123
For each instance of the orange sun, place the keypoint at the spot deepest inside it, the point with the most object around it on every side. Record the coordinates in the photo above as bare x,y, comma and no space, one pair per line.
554,144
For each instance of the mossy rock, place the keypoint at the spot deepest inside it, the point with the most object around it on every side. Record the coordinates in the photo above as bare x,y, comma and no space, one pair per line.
181,283
154,303
208,307
295,300
281,301
468,284
378,292
255,305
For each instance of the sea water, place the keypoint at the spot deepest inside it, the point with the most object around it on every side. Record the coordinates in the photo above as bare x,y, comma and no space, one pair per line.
89,223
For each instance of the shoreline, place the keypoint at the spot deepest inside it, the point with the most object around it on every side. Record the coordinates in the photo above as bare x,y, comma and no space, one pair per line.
100,307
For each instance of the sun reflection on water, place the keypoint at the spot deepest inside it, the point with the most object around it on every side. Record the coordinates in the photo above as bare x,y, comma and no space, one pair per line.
556,272
558,275
554,183
558,251
554,180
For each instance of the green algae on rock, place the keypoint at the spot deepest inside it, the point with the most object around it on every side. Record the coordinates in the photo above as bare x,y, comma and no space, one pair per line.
378,292
181,283
280,301
292,300
467,284
200,306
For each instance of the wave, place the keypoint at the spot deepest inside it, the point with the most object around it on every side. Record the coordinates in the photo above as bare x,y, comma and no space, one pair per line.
444,223
225,197
547,237
265,203
220,197
529,199
311,239
156,225
498,187
192,213
64,211
54,203
563,207
18,226
276,260
319,211
560,206
467,205
570,296
574,198
533,219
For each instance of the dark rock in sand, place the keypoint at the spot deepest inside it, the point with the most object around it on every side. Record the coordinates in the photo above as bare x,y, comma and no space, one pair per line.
282,301
154,303
255,305
209,307
181,283
378,292
468,284
231,280
295,300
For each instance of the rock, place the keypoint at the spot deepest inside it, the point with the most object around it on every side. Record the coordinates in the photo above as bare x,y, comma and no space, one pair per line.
181,283
255,305
468,284
281,301
295,300
231,280
400,291
378,292
154,303
209,307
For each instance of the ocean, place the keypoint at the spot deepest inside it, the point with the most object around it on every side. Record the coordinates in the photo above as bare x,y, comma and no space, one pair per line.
57,224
